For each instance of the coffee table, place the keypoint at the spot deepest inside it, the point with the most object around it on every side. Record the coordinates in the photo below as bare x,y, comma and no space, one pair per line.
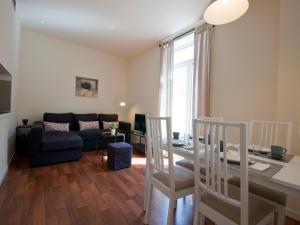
105,138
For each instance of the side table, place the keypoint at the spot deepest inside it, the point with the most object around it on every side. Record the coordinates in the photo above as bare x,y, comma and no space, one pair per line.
141,145
105,138
22,139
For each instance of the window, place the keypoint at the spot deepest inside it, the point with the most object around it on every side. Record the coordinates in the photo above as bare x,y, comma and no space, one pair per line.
182,88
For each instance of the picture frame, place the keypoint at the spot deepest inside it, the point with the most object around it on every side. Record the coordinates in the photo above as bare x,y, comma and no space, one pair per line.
86,87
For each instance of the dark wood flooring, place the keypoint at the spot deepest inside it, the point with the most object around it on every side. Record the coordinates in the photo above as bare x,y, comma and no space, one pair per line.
83,192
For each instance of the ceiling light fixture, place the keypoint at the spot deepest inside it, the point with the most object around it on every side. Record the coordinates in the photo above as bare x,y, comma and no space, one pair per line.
225,11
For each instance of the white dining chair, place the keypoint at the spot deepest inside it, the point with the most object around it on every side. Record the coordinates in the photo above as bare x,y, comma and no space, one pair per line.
214,197
189,164
173,181
265,134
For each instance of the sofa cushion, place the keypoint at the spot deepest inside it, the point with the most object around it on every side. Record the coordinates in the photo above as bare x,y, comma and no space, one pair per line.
54,141
56,126
88,125
88,134
106,125
60,118
84,117
107,118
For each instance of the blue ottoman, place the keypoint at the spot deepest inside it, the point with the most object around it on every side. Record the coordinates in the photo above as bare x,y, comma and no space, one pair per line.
119,155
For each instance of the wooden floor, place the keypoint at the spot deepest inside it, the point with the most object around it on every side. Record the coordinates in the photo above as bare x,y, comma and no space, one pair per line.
83,192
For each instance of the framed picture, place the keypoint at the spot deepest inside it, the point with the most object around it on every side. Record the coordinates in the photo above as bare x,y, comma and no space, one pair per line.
86,87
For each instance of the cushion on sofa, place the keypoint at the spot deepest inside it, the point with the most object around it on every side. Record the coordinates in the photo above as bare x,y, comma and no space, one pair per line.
48,126
88,125
88,134
84,117
55,141
107,118
106,125
60,118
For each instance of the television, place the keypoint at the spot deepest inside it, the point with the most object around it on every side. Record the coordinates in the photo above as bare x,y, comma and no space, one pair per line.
140,123
5,94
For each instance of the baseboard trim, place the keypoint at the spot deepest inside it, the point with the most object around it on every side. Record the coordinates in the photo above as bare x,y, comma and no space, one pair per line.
4,173
292,214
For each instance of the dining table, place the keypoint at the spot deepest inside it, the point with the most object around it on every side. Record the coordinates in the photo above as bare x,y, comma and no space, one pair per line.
282,175
284,178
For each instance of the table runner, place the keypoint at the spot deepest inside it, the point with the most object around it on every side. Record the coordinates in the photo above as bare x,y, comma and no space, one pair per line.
268,173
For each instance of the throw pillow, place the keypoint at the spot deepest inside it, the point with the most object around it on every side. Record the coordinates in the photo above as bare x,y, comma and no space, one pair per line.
56,126
106,125
88,125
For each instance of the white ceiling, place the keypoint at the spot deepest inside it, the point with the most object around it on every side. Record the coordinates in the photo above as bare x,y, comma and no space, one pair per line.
120,27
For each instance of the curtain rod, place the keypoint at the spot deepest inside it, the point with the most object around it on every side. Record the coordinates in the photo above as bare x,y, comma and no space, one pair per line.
183,32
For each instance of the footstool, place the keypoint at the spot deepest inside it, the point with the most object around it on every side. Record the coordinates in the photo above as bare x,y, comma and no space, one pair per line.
119,155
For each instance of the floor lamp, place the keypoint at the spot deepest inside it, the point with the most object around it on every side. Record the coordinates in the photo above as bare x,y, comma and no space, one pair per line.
123,105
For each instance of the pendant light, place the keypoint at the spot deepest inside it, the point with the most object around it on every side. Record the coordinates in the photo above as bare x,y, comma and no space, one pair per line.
225,11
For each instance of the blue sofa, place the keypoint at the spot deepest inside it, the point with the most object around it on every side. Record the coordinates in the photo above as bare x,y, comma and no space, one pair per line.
52,146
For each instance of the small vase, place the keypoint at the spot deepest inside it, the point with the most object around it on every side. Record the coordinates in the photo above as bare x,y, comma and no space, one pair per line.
113,132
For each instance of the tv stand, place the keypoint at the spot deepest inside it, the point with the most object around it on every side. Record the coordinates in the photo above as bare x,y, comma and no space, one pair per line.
139,146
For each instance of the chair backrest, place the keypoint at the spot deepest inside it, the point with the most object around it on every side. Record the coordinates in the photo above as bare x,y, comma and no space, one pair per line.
208,118
159,139
216,181
267,133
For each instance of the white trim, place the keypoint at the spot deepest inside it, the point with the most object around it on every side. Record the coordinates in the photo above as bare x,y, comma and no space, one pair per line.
292,214
181,32
4,173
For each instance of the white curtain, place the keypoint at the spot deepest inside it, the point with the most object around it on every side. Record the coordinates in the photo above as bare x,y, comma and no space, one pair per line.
166,71
201,106
198,87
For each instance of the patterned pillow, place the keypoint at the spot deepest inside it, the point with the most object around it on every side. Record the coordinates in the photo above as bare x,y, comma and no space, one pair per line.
56,126
107,124
88,125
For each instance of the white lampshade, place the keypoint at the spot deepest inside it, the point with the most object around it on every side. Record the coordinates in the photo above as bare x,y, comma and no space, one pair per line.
122,104
225,11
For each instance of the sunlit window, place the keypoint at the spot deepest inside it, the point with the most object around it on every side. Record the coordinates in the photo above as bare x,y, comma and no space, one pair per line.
182,93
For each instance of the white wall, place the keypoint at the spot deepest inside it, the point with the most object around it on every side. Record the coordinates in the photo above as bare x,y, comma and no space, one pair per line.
9,53
288,107
244,68
48,67
143,83
244,64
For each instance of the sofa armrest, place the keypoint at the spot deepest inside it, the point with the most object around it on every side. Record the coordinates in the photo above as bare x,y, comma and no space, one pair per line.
36,134
125,128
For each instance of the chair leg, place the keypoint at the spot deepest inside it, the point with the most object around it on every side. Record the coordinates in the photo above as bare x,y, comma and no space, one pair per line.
148,206
202,219
272,220
196,214
281,215
171,211
146,191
